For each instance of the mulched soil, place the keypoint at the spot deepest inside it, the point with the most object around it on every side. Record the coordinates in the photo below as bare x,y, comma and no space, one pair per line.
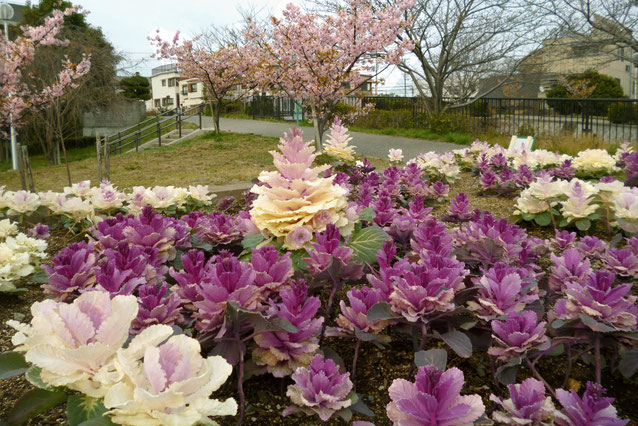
376,368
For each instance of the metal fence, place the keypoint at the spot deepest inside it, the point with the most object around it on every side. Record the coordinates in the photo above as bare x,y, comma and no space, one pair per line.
607,119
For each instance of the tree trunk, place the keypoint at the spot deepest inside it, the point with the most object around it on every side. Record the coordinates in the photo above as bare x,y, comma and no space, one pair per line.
216,114
318,125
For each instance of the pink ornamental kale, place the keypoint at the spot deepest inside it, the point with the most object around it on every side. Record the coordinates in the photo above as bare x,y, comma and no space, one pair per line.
329,249
228,280
283,352
459,210
622,262
592,409
388,269
592,247
72,271
570,267
195,271
152,230
527,404
355,317
432,238
519,333
157,306
597,298
215,228
501,292
116,281
319,389
271,271
110,232
433,399
39,231
427,289
563,240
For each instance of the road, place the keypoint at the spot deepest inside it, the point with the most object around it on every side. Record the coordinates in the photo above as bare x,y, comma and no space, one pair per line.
367,144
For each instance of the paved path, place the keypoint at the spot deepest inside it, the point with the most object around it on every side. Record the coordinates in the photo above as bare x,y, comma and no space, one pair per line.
367,144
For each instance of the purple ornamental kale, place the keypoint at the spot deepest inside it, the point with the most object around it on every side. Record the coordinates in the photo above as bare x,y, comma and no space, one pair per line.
519,333
388,269
328,251
501,292
486,241
400,229
271,271
156,306
564,171
72,271
215,228
432,237
39,231
283,352
427,288
195,271
570,267
498,163
631,169
225,203
142,261
592,247
355,316
152,230
527,404
622,262
319,389
110,232
433,399
488,180
116,281
439,191
228,280
597,298
592,409
417,210
459,211
182,239
384,210
563,240
524,176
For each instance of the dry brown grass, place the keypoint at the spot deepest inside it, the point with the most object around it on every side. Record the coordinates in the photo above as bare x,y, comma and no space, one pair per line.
565,144
207,159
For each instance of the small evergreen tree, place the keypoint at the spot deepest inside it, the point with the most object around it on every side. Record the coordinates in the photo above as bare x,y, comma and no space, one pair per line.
135,87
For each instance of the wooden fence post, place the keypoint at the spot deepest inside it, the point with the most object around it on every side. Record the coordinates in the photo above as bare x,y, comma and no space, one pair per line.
98,143
21,168
107,159
26,163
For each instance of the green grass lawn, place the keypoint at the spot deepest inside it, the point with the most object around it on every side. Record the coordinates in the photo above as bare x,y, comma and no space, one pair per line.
207,159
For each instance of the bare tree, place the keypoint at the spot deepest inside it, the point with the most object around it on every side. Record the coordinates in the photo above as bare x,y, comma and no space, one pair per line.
596,22
459,43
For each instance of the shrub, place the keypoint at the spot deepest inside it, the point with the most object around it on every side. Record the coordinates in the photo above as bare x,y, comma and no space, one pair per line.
622,112
480,108
384,119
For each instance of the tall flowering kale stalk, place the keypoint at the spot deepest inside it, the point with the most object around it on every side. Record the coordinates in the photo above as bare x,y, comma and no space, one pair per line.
295,200
320,389
283,352
434,399
337,143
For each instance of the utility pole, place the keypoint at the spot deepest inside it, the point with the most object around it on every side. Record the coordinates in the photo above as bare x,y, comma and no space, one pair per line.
6,13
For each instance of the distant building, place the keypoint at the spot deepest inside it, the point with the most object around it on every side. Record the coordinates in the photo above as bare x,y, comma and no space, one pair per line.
566,55
169,90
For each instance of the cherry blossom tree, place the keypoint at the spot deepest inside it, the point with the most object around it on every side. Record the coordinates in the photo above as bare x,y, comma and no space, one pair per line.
320,59
17,96
225,70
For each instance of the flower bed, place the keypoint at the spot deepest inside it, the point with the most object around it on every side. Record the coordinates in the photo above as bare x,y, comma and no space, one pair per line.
337,292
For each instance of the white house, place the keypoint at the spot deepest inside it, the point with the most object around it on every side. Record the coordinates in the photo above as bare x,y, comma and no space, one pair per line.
169,89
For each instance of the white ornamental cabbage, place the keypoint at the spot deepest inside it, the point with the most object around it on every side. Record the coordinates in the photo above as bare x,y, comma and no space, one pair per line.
167,383
72,342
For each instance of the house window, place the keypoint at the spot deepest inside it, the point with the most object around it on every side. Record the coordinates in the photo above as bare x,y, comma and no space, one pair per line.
172,82
169,101
185,89
164,82
192,87
628,68
157,103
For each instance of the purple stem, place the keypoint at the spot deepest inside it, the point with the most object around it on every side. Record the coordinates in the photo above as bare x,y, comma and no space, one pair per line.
424,335
539,377
328,309
597,358
240,381
354,365
569,364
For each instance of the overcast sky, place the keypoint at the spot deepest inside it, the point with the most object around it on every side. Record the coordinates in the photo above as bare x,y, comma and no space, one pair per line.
127,24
